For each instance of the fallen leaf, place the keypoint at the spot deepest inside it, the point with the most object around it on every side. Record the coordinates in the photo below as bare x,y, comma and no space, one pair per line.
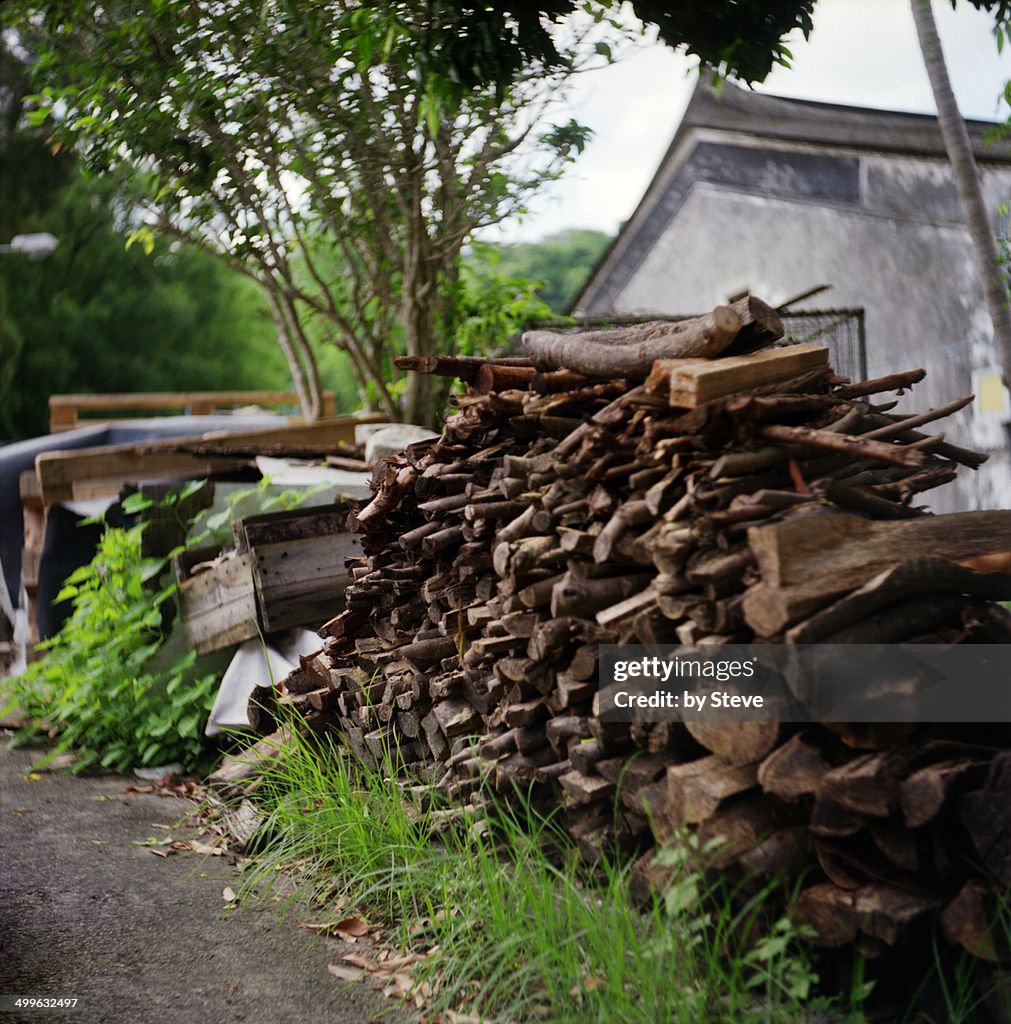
359,960
590,984
345,973
158,853
203,848
31,777
353,926
139,789
398,962
228,894
399,988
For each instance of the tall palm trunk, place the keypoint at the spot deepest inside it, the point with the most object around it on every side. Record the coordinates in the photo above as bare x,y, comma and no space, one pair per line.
967,181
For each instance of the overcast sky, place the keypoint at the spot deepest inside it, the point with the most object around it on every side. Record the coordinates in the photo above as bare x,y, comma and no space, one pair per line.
861,52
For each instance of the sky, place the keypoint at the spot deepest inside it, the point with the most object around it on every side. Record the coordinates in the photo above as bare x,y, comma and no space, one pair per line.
861,52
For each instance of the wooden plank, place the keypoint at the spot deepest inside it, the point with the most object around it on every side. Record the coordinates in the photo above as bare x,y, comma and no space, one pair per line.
297,561
693,384
102,470
807,563
101,474
218,600
64,410
33,513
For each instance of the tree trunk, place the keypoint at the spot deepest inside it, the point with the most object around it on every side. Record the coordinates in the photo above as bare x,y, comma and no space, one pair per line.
963,168
309,397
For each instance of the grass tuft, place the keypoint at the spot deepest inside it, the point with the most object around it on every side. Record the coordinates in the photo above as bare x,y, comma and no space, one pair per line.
516,925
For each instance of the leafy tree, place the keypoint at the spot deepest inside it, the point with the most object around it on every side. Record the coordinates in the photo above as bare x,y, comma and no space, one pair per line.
469,45
299,142
559,263
96,317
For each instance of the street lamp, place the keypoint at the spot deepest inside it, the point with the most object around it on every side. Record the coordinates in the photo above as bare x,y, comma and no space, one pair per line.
35,246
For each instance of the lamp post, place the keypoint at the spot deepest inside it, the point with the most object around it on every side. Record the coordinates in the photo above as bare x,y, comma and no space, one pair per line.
35,246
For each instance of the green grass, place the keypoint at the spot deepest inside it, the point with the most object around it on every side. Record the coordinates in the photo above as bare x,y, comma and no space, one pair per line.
523,928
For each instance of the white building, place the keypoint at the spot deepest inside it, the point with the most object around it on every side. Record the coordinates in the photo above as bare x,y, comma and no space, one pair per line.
777,196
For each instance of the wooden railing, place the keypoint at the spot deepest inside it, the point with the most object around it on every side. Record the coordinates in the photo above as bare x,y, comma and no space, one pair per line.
65,410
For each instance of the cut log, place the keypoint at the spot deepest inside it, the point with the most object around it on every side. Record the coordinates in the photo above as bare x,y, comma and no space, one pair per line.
695,790
738,743
881,911
631,351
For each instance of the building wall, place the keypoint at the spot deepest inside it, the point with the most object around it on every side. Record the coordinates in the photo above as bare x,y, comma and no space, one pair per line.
897,247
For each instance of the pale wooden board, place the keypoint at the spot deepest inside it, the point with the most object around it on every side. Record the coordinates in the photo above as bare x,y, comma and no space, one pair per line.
297,561
218,604
659,379
700,382
91,472
64,409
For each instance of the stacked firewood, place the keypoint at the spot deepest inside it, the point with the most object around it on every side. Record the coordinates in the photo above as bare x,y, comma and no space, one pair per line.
693,500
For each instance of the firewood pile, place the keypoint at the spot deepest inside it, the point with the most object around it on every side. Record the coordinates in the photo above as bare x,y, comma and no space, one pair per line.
687,485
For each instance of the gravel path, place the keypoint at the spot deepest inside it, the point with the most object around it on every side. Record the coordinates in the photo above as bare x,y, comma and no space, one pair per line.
137,938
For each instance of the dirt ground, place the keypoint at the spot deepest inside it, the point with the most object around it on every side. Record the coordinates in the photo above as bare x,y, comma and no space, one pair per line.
137,938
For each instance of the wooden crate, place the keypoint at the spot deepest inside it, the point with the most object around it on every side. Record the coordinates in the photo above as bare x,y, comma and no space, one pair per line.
218,598
297,560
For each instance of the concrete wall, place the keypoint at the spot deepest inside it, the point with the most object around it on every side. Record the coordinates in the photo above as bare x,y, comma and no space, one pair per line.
897,247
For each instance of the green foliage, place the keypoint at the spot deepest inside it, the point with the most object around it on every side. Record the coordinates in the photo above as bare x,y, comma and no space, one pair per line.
559,263
96,317
522,929
492,305
110,686
299,142
472,45
99,689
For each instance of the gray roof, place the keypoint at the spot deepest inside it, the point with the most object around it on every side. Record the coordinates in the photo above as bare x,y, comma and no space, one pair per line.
774,119
760,115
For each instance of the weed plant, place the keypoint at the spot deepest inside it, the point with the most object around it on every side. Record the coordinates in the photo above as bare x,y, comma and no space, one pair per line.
518,926
107,688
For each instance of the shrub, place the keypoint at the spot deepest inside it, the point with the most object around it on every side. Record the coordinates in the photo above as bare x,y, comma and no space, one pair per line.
99,690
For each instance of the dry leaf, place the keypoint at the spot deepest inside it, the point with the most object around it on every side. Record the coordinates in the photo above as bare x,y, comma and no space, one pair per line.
398,962
353,926
31,777
359,960
203,848
348,974
158,853
593,983
228,894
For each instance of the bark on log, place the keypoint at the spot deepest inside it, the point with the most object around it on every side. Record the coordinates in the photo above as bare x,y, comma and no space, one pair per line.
631,351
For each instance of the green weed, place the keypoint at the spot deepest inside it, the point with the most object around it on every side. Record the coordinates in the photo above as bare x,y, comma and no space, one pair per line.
110,686
517,925
98,690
